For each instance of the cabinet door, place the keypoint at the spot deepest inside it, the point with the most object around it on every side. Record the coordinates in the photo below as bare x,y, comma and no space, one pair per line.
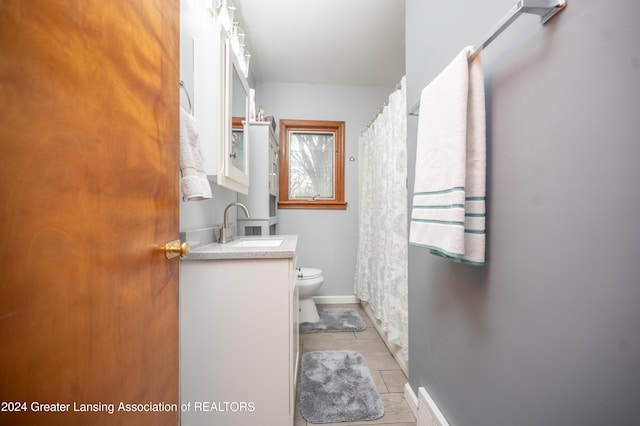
221,93
235,149
208,92
235,340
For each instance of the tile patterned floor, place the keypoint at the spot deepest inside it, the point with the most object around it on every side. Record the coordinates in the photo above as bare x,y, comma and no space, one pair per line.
384,369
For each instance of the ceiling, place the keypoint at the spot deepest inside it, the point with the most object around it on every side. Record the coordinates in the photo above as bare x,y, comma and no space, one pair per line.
337,42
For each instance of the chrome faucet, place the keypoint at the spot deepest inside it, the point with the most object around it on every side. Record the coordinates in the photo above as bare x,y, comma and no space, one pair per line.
226,233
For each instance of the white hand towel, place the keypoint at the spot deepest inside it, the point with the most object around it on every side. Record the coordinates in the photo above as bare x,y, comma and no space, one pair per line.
194,183
448,213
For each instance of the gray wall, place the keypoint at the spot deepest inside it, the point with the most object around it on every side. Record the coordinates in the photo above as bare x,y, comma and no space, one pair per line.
327,238
548,331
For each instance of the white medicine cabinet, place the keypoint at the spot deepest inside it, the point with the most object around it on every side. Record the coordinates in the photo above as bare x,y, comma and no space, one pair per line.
221,92
236,138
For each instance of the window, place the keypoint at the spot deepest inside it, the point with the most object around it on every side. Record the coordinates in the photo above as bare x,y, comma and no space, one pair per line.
311,164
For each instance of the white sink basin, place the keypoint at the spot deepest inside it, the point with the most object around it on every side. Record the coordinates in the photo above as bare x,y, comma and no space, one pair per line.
249,242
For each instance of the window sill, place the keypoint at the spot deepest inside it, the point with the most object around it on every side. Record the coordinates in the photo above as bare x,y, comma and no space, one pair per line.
318,204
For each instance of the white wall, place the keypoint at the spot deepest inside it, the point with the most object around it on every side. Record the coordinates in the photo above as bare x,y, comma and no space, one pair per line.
327,238
548,331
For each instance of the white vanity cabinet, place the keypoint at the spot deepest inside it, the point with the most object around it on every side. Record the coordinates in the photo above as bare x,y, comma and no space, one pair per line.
239,343
262,199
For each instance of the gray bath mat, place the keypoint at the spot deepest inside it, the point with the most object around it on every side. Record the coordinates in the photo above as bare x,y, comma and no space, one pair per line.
336,386
334,320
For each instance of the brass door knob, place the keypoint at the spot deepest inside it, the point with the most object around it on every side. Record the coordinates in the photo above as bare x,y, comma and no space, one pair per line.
174,248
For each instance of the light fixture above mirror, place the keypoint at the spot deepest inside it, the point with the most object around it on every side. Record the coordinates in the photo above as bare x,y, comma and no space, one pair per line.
224,12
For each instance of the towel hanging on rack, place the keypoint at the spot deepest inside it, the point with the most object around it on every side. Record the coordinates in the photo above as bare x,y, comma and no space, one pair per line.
448,213
193,183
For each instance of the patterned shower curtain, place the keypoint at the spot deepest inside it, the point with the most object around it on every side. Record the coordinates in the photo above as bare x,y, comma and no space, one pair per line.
381,264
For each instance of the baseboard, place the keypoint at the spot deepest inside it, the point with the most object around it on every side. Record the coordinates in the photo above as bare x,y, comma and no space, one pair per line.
428,412
411,398
396,351
335,300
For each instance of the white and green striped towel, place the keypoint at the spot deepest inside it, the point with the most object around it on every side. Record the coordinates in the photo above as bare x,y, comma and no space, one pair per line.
448,215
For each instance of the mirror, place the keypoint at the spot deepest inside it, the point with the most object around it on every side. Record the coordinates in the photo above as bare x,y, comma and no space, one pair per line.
239,101
238,143
235,141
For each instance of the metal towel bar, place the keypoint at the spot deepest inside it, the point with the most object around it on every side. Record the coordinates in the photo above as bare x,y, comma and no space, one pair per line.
183,87
546,9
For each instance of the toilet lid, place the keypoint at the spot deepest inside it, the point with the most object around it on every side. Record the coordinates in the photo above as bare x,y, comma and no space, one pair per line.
308,273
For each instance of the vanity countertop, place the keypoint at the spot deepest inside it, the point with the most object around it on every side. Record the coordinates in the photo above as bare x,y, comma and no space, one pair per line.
242,247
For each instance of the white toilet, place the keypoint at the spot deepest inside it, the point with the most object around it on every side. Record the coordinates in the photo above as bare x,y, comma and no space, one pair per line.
309,281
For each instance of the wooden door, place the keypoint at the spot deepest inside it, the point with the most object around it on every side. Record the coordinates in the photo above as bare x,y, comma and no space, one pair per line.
89,195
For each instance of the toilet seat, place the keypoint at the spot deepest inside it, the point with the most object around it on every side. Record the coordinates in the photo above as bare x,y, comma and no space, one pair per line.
309,273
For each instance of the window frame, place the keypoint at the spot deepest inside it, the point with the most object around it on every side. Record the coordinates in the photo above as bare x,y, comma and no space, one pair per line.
311,126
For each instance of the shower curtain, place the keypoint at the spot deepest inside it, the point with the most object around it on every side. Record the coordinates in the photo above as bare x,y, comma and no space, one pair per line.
381,263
